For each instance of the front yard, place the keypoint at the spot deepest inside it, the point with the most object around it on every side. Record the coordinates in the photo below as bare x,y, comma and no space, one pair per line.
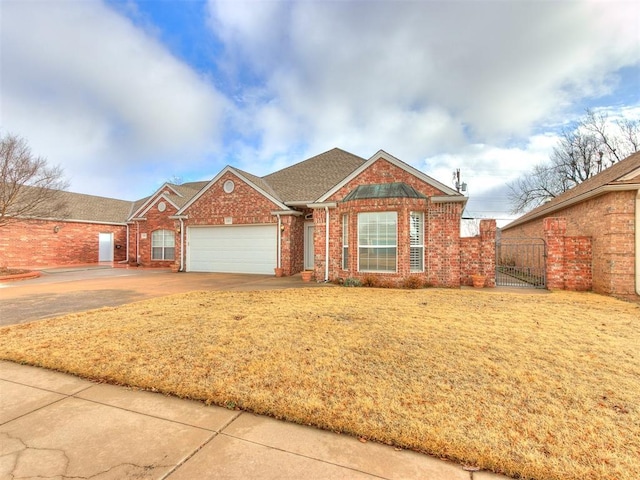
541,386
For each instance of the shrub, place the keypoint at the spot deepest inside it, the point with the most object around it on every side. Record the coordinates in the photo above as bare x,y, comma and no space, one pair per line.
370,281
412,282
352,282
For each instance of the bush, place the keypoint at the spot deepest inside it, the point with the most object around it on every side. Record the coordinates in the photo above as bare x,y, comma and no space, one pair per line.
370,281
352,282
413,282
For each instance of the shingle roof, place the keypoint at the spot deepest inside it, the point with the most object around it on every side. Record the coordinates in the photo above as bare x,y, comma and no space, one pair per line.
616,175
71,206
308,180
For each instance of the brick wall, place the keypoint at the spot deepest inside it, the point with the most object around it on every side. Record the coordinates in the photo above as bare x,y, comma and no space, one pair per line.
141,231
478,254
34,243
441,234
608,221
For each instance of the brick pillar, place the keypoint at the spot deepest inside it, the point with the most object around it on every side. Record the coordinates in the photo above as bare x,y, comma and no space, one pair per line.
555,229
488,251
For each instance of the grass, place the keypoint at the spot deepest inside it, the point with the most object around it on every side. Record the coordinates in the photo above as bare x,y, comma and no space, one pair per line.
540,386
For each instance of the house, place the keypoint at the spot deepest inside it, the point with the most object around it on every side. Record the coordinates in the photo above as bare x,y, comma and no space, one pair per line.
603,212
337,214
90,229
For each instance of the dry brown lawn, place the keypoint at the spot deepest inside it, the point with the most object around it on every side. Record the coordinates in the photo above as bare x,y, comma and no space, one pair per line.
541,386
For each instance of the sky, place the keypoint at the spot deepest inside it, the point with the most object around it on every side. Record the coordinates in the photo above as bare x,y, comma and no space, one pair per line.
125,95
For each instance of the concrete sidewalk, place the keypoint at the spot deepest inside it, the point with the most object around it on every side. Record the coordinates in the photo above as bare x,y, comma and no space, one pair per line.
58,426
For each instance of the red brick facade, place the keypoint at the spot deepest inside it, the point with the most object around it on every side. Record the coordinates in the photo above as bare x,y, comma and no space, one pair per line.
45,243
441,230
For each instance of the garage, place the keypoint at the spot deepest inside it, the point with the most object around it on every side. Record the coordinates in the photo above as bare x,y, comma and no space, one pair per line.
232,249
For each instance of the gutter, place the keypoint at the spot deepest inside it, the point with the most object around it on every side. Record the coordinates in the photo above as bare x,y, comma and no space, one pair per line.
182,234
279,243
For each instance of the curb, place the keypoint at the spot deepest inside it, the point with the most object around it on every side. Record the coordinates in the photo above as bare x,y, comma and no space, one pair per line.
20,276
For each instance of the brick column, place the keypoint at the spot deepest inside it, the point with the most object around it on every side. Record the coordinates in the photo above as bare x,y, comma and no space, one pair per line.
488,251
555,229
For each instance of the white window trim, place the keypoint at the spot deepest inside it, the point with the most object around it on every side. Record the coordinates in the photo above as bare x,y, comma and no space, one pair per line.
345,242
165,234
419,245
378,246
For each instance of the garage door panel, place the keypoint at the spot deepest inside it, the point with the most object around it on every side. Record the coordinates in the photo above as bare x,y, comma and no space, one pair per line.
238,249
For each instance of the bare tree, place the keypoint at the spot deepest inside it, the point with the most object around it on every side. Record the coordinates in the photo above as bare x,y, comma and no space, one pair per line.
29,187
594,145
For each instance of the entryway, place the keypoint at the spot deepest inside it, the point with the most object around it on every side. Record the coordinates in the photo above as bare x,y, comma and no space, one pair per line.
521,262
309,230
105,247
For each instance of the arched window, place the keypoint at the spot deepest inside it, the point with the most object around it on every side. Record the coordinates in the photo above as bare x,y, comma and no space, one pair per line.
163,245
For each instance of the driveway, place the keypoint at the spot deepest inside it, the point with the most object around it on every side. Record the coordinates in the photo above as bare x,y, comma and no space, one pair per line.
67,290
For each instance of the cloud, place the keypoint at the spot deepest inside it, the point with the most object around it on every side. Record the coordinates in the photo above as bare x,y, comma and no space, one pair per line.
90,90
418,78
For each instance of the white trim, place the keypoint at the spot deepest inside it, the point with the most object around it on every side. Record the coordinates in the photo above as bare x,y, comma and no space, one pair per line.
629,176
70,220
235,172
161,198
358,245
398,163
443,199
279,243
155,196
326,243
286,212
572,201
323,205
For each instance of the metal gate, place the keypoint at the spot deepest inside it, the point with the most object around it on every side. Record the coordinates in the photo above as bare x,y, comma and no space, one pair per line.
521,262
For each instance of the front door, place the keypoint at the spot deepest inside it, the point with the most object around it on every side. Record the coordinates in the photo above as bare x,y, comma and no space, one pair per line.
308,246
105,247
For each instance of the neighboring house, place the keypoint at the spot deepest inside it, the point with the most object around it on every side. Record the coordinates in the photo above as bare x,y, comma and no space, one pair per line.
336,214
606,209
87,229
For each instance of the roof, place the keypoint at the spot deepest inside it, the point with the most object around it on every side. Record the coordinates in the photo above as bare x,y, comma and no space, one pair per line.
383,190
624,175
71,206
308,180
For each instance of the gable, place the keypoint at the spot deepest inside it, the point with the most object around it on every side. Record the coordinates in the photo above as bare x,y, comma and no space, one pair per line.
231,198
382,168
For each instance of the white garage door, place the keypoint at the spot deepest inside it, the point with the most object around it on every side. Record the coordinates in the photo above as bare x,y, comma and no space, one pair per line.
237,249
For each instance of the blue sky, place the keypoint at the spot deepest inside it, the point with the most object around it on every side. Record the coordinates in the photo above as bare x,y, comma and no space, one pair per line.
126,94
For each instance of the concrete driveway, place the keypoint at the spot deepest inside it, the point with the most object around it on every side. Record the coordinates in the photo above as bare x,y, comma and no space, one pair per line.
75,289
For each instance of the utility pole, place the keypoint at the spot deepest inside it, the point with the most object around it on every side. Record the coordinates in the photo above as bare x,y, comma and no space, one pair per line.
460,185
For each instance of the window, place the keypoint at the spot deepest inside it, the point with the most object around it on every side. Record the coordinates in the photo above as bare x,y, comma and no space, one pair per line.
377,241
345,242
416,235
163,245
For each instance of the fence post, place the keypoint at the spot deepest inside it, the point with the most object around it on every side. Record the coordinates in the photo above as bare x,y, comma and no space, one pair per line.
555,229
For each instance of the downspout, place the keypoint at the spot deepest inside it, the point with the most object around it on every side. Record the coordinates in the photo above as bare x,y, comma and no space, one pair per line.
137,243
326,244
637,229
126,260
181,245
279,244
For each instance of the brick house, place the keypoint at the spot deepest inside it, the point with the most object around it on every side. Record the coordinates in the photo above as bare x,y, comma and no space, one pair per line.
385,218
335,213
599,218
90,229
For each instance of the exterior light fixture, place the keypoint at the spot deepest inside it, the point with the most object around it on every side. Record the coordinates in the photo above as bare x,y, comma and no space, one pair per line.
56,229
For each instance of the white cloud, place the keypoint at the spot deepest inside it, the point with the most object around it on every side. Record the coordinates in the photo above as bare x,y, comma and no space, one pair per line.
420,78
91,91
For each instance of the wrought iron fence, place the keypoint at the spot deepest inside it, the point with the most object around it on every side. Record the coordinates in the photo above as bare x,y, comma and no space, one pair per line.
521,262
